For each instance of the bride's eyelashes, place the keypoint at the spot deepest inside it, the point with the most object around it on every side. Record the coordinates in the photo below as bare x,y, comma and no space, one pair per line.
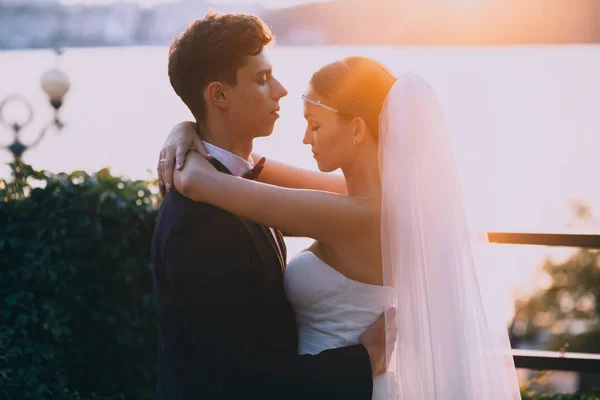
315,128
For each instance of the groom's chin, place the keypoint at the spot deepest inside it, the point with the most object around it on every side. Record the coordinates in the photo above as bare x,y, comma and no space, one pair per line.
265,133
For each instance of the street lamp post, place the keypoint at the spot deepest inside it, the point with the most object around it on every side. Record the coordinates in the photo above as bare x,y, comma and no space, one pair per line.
56,84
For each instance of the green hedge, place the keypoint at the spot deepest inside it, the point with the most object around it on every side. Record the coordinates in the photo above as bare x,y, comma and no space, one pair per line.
76,314
76,317
529,395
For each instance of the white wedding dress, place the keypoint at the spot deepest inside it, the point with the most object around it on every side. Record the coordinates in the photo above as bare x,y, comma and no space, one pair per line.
451,344
333,311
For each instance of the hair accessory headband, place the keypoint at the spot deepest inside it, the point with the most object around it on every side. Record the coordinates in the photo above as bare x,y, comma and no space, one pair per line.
319,104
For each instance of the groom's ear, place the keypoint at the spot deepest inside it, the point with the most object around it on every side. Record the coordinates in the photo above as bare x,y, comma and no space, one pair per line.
216,94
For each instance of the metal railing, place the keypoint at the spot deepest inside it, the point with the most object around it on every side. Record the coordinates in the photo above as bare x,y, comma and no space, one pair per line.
546,239
552,360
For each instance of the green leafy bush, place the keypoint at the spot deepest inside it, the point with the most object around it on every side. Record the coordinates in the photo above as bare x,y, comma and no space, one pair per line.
529,395
77,319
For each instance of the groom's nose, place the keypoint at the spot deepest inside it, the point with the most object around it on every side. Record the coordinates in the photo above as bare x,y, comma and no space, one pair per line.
278,91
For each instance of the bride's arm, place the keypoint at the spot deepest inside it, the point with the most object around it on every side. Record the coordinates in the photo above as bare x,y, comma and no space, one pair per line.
324,216
183,138
281,174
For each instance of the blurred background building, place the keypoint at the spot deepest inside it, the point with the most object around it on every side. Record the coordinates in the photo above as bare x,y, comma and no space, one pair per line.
50,23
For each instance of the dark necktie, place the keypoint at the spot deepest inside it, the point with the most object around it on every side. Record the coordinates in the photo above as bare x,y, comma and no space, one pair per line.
255,172
275,235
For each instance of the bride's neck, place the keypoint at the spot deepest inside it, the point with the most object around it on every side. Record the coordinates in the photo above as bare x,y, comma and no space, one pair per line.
362,174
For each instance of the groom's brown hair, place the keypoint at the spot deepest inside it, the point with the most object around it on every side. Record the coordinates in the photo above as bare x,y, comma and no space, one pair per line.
213,49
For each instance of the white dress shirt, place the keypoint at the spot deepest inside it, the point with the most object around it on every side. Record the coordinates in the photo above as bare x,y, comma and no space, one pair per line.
237,166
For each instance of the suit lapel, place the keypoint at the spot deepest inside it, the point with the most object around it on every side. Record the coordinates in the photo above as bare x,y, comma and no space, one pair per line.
274,245
282,247
281,256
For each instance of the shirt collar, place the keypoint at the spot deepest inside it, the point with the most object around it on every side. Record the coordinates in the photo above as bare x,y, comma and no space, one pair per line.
235,164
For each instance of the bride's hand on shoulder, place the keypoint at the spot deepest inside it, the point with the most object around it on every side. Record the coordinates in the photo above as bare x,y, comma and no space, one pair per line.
182,139
193,179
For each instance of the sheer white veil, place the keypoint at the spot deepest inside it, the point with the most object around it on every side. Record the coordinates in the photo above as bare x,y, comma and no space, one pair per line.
449,346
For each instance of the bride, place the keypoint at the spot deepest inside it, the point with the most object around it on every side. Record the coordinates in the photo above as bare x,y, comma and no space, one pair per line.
392,230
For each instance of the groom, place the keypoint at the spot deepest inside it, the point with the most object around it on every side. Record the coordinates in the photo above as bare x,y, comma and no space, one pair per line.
226,328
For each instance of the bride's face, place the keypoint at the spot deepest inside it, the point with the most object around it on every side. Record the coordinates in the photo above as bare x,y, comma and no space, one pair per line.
328,134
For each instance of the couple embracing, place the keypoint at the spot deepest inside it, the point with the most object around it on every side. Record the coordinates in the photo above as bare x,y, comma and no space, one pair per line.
385,304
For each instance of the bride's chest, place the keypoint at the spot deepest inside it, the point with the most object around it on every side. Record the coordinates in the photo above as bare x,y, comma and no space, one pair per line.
359,261
313,287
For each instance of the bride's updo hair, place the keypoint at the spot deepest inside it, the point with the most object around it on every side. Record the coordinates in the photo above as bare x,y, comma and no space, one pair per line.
356,87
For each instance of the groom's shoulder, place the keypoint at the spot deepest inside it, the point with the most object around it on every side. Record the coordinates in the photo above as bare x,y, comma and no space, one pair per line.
177,209
183,224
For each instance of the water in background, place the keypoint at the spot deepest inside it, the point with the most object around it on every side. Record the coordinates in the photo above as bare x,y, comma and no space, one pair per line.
525,122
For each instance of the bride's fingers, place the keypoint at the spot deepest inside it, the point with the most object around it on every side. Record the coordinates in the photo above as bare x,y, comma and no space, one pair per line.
182,150
391,330
180,158
390,316
198,147
161,182
167,169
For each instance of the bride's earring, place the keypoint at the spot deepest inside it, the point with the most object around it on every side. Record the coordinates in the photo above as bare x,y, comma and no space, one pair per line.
354,142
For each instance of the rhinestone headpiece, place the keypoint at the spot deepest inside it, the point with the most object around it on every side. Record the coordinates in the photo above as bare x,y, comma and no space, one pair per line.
319,104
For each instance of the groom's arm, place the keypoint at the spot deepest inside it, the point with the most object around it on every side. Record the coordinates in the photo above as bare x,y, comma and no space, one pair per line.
207,258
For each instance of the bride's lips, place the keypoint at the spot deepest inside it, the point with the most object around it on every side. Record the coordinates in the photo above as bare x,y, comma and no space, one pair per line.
275,112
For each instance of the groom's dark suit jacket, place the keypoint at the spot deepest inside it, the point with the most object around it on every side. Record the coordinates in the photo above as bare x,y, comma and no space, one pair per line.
226,328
